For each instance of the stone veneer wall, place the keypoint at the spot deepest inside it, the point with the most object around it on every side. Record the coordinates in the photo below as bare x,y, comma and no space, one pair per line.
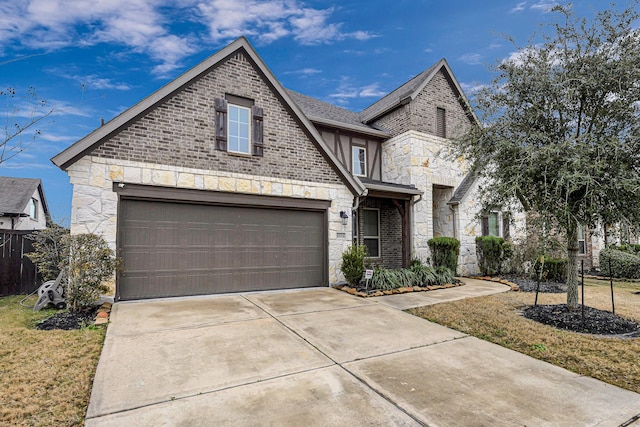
95,204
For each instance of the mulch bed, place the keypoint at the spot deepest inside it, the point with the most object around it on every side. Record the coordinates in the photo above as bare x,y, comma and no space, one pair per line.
597,322
529,285
67,320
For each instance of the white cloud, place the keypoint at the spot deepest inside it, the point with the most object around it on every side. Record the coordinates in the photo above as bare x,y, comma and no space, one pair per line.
471,58
544,6
145,26
346,90
519,7
305,71
471,88
270,20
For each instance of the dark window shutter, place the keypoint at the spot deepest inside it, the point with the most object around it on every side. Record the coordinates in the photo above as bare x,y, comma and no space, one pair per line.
485,225
258,131
506,219
221,124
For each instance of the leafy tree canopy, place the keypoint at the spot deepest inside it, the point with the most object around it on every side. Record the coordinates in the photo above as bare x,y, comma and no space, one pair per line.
561,122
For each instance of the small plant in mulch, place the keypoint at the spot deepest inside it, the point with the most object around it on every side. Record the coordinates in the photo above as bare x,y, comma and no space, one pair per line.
597,322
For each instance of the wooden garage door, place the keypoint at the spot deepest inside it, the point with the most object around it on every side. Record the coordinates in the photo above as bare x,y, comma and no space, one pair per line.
174,249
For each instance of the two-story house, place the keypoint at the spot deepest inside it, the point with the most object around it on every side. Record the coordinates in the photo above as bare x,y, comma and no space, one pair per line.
224,181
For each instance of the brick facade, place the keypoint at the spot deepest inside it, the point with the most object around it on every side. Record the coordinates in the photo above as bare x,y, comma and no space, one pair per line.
420,114
181,131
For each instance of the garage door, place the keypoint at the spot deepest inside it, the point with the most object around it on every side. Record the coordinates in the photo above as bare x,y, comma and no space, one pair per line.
174,249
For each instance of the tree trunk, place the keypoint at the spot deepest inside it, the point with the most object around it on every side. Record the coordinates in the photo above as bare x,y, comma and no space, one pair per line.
572,265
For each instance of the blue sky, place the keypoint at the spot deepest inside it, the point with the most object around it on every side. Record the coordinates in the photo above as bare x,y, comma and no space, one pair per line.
92,59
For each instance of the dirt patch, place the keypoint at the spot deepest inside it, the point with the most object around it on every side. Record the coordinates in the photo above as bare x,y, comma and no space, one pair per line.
67,320
597,322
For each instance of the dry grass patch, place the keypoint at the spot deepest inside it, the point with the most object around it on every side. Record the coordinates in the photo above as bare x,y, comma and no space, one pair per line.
45,376
497,319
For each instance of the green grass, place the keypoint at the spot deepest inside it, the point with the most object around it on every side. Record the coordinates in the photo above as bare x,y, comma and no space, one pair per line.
45,376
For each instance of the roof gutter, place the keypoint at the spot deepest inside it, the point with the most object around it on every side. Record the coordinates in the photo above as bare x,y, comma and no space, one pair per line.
354,128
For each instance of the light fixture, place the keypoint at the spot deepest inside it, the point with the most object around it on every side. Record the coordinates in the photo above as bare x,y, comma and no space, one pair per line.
344,217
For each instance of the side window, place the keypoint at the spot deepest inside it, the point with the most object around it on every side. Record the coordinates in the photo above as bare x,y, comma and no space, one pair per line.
239,126
491,224
33,208
582,247
359,160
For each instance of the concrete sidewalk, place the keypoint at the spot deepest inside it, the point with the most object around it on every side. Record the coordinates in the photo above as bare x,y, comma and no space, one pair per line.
323,357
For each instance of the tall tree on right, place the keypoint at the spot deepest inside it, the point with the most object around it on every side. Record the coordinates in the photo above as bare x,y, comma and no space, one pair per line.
562,126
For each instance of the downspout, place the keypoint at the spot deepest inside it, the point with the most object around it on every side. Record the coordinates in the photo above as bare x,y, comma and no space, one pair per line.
453,213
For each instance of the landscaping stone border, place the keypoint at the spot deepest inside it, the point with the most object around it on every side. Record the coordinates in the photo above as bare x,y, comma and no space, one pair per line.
514,287
353,291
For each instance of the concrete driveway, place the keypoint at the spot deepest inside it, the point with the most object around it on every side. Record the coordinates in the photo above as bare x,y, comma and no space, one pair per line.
323,357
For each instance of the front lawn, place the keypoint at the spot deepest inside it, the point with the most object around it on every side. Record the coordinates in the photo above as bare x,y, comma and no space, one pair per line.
497,319
45,376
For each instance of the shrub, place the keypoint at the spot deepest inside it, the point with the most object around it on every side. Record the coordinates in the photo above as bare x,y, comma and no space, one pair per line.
551,269
630,248
490,254
90,262
353,264
444,252
48,250
623,264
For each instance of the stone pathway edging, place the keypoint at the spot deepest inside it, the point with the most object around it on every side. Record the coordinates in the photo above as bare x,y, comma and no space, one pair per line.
353,291
102,317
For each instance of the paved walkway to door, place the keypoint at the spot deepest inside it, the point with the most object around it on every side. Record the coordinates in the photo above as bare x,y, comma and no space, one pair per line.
323,357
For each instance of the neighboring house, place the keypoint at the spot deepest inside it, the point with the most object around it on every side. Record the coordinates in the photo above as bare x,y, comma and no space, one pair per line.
23,209
224,181
22,204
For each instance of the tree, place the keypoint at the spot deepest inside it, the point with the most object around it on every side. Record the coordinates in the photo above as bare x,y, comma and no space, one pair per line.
19,127
562,121
49,252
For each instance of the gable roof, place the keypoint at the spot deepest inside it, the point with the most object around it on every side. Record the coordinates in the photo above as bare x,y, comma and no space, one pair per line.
324,113
463,188
84,145
15,194
410,90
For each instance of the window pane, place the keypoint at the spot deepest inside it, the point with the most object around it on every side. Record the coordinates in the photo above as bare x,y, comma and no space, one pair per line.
494,230
372,247
359,161
370,218
238,126
581,247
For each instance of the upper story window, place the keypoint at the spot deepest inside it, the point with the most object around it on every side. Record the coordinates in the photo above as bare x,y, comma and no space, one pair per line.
359,160
239,129
441,122
239,126
33,208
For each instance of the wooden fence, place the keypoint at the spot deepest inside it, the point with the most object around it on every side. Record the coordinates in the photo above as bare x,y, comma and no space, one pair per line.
17,273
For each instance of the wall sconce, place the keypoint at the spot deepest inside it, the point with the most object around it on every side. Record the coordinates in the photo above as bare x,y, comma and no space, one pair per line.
344,217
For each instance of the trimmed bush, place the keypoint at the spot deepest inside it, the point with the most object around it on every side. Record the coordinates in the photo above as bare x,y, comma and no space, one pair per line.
490,254
353,264
630,248
444,252
91,262
623,264
553,269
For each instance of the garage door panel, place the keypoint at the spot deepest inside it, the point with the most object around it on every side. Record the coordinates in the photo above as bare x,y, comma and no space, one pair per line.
172,249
